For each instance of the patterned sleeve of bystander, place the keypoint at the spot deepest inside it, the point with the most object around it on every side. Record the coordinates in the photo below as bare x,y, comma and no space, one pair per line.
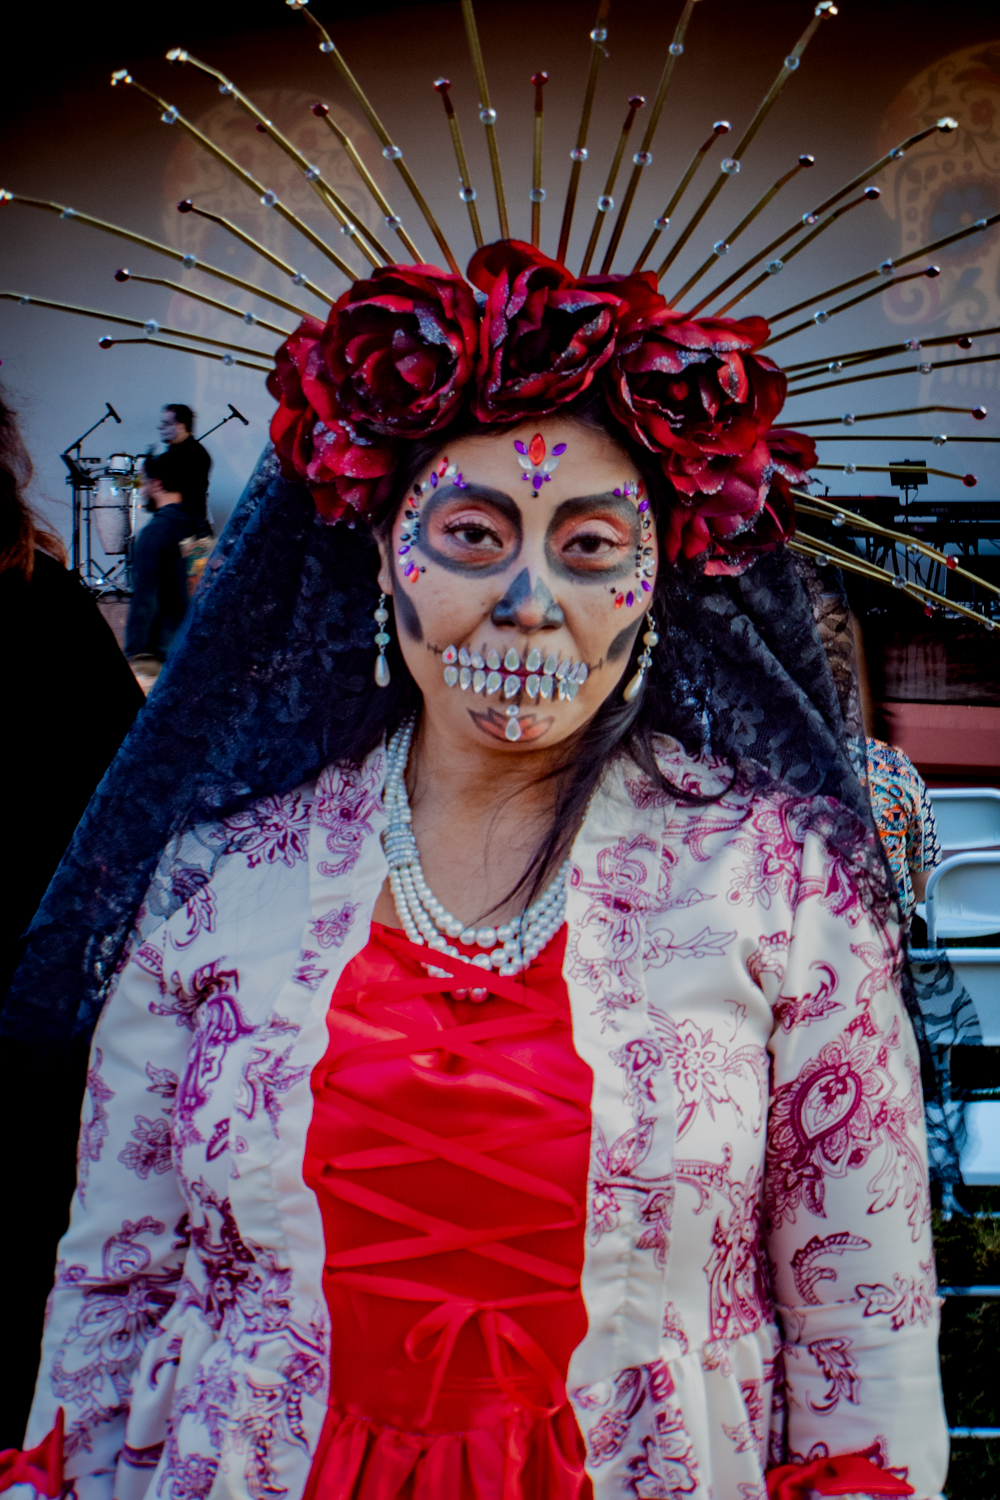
847,1209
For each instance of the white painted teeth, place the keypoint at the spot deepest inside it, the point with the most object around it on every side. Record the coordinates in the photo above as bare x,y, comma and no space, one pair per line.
555,678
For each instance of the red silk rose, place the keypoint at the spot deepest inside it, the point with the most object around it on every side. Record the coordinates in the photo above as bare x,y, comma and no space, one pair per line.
398,350
344,469
544,335
292,423
349,470
792,455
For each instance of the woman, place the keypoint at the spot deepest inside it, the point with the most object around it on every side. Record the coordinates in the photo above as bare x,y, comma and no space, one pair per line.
68,701
465,1119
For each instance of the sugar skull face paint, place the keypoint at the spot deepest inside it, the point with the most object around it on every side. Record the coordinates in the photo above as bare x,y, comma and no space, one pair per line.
516,586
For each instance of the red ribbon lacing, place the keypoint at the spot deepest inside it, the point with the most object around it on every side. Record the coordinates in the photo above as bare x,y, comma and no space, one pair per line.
41,1466
845,1474
433,1337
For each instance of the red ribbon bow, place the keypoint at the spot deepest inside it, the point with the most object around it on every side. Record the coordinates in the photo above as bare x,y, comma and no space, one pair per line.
41,1466
846,1474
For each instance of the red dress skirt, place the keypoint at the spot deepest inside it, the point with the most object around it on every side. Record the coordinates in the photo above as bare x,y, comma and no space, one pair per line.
448,1151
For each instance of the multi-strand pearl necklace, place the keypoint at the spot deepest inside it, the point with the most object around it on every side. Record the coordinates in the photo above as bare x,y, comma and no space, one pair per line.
508,948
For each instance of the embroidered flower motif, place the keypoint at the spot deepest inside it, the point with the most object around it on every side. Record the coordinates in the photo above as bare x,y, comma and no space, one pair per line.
275,829
331,930
150,1150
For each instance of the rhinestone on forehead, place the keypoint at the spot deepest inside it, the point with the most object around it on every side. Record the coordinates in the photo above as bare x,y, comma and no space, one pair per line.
538,468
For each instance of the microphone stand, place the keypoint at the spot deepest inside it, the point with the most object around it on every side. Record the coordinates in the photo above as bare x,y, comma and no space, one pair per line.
81,481
233,415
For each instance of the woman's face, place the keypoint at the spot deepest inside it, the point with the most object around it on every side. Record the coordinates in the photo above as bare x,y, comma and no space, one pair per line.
521,568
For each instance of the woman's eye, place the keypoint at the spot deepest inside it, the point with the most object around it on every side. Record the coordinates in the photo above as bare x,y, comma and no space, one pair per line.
473,536
592,544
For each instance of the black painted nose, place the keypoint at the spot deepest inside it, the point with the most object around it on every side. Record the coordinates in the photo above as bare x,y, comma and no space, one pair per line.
528,606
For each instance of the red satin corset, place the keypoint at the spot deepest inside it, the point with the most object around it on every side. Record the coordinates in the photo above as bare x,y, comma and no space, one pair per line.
448,1151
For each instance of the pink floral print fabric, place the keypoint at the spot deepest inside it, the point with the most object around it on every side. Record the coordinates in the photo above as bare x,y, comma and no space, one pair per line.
758,1273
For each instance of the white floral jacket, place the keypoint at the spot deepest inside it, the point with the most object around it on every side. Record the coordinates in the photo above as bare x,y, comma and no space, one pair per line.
757,1164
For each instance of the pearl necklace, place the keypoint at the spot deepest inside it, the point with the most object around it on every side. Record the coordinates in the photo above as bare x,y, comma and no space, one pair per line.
514,944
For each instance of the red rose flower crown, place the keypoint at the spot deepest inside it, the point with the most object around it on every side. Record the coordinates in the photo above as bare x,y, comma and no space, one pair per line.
409,347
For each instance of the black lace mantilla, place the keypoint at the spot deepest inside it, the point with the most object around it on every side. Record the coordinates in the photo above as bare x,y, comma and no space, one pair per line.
275,667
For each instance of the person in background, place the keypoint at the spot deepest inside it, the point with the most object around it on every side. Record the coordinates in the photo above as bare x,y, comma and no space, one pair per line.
905,820
159,572
185,464
69,699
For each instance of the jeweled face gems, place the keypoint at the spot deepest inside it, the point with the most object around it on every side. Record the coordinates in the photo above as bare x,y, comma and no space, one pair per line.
538,465
645,559
542,679
411,515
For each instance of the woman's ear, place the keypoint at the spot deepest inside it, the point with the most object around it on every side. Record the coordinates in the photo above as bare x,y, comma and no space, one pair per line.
384,579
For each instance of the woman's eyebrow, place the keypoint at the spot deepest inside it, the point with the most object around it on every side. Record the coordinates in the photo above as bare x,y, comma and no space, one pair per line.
471,490
570,510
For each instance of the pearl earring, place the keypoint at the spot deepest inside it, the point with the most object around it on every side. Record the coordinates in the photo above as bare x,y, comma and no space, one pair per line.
649,640
382,639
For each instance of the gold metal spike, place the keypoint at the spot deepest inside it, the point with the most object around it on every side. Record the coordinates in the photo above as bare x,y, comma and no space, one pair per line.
635,103
150,325
870,195
643,157
537,191
189,261
390,151
172,116
487,113
227,359
871,416
578,155
185,291
721,127
924,368
730,239
888,267
812,547
825,509
873,291
886,469
187,207
374,251
731,164
816,366
944,125
393,221
468,192
901,437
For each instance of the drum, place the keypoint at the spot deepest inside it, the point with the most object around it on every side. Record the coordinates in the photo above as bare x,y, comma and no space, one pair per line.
120,463
111,509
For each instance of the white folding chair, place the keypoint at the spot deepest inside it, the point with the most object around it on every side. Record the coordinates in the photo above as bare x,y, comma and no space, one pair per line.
966,817
978,970
963,898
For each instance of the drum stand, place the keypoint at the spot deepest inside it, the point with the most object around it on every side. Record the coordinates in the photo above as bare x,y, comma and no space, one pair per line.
83,483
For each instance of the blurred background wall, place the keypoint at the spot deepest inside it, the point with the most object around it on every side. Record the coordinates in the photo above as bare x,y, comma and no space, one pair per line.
869,78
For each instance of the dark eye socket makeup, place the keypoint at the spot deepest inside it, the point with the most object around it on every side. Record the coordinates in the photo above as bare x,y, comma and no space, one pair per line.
479,529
